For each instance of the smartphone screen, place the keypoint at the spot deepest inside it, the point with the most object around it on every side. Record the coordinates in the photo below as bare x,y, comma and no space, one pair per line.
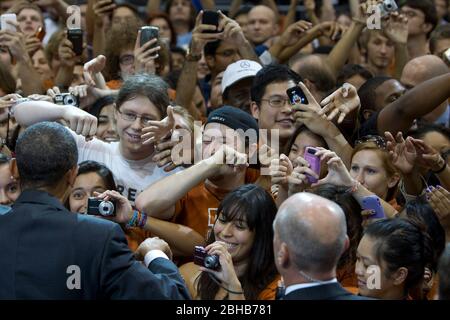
76,37
296,96
211,18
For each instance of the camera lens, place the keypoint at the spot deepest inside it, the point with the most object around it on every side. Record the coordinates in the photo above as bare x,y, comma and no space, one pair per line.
70,100
212,262
106,208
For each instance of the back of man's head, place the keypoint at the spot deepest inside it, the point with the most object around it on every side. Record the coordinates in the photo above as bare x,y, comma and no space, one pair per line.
421,69
368,95
314,230
314,69
45,152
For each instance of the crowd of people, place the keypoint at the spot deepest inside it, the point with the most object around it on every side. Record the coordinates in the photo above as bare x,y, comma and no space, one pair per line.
247,153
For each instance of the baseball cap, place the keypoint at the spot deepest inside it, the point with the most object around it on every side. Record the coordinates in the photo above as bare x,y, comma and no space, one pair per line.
239,70
233,118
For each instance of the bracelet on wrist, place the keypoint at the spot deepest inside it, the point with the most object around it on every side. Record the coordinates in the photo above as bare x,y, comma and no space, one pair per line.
441,169
138,219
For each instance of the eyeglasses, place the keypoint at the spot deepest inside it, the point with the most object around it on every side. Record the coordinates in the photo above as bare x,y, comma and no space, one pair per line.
379,141
127,59
131,117
445,155
277,101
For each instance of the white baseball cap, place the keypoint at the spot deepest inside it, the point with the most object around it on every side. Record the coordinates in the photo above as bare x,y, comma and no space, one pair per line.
239,70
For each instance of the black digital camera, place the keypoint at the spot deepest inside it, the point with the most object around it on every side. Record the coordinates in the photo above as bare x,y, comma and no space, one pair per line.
99,207
66,99
201,258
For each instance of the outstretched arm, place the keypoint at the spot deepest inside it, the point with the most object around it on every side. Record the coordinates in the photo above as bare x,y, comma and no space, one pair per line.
419,101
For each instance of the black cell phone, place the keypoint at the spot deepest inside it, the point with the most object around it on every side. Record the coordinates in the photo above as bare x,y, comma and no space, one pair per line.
211,18
76,37
296,95
148,33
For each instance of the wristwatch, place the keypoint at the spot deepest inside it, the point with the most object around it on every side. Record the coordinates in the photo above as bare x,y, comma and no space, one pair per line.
192,57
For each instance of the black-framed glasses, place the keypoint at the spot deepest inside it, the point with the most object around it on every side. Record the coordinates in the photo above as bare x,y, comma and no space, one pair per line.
277,101
378,140
131,117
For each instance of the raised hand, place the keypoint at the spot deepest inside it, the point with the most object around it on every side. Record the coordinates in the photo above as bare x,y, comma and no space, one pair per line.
92,68
144,57
293,32
341,102
396,28
402,152
298,179
231,29
439,200
200,38
66,54
338,174
280,170
427,157
158,130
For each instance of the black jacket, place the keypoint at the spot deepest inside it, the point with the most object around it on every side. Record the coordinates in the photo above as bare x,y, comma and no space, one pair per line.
330,291
41,241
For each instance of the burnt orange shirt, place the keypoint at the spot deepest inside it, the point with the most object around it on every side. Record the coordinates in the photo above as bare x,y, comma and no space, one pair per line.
269,293
197,209
135,236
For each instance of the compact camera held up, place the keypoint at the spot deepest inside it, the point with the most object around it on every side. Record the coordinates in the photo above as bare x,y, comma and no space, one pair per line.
201,258
387,6
99,207
66,99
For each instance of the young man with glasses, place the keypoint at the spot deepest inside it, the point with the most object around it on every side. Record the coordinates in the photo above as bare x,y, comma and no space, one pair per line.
141,99
270,103
422,19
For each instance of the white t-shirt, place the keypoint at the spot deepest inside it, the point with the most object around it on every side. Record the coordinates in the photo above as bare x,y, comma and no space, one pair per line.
131,176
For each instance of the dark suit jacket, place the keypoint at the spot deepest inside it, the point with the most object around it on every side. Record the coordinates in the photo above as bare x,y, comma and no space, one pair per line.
40,239
331,291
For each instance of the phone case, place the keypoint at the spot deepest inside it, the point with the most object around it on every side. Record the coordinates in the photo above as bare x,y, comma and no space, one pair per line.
6,26
373,203
296,95
147,34
76,37
211,18
314,162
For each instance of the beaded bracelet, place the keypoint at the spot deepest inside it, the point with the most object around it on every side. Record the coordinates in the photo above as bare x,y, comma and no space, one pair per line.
137,220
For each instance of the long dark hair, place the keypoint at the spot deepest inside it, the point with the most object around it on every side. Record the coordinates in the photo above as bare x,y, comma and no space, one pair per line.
257,206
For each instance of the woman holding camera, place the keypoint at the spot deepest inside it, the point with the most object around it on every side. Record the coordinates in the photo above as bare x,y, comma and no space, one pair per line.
242,240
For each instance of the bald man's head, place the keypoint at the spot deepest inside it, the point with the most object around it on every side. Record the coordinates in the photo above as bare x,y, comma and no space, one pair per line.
262,24
421,69
314,230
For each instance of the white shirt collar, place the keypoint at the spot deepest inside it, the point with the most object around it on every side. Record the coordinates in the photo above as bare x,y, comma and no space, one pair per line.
294,287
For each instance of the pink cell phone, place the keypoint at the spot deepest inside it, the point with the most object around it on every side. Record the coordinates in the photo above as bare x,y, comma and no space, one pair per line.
373,203
314,162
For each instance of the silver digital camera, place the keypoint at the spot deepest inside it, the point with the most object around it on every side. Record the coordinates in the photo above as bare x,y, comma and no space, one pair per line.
387,6
66,99
99,207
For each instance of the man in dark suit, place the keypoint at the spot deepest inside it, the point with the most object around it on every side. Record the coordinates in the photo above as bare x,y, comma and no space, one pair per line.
310,234
47,252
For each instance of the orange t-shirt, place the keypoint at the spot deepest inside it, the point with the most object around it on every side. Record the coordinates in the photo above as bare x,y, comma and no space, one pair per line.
197,209
114,84
135,236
